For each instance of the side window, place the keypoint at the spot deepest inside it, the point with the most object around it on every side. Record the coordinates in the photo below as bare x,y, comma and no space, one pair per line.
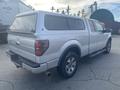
98,27
92,26
75,24
53,22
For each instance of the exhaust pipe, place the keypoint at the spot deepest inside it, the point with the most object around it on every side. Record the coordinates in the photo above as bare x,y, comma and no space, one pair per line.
18,66
48,74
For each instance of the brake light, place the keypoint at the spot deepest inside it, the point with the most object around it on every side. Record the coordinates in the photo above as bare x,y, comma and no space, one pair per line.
41,46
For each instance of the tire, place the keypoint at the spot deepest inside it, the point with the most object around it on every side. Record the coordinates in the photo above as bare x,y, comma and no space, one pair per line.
68,65
108,47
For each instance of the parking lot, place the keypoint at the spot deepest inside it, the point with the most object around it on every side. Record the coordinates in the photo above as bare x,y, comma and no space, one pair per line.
101,72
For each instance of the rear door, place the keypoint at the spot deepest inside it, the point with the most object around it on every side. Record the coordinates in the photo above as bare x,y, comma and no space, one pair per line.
21,38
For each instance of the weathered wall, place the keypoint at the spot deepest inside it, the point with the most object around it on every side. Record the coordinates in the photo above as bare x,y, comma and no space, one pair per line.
24,8
8,11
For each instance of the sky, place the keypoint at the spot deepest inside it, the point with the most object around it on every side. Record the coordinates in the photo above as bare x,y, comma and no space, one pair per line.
75,5
46,4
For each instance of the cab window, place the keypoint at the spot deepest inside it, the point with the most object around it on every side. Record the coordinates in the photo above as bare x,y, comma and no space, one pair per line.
92,26
98,27
53,22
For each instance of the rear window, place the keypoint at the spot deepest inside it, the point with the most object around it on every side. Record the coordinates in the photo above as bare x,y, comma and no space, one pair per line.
63,23
24,24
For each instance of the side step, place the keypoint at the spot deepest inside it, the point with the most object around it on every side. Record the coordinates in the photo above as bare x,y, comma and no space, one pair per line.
96,53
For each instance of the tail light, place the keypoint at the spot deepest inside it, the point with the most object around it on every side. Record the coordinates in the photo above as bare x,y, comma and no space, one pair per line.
41,46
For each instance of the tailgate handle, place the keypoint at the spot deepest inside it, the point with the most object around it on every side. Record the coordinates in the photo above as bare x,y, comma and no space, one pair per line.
17,42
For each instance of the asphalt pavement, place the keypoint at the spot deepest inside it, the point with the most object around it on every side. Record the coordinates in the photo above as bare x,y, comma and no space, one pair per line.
101,72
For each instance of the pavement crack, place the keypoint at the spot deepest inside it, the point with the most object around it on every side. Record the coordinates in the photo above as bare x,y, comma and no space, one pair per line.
114,83
12,85
106,80
109,77
91,70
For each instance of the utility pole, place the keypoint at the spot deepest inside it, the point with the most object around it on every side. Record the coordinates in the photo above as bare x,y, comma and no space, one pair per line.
95,4
91,8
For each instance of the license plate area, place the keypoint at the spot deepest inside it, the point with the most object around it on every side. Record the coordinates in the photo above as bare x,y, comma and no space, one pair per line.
17,60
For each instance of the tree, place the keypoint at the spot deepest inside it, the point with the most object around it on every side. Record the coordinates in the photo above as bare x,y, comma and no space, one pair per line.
74,14
52,8
63,12
78,14
83,12
68,10
57,10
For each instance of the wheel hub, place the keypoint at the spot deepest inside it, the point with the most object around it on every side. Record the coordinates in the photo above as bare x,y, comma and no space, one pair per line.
70,65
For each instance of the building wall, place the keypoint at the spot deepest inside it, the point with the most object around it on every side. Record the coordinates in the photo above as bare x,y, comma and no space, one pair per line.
24,8
8,11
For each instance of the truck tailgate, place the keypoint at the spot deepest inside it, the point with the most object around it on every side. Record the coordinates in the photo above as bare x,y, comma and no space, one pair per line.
22,45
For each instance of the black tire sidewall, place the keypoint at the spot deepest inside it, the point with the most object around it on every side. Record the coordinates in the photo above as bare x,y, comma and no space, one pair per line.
61,68
108,51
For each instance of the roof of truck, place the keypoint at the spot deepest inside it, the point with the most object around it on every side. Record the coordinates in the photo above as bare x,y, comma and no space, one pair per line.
52,13
46,12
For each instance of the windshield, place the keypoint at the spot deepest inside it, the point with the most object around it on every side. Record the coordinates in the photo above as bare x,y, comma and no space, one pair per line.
24,24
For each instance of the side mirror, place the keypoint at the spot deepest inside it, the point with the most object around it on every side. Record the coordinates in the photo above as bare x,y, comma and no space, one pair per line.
107,31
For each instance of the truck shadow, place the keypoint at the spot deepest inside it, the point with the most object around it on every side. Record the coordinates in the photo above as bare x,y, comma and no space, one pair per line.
42,80
25,80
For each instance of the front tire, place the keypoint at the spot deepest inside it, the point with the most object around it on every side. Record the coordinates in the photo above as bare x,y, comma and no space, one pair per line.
108,47
68,65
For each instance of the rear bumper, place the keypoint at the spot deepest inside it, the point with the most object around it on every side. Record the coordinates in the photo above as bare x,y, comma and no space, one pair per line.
27,64
41,68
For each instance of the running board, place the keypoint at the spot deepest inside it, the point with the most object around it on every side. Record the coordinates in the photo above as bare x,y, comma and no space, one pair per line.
96,53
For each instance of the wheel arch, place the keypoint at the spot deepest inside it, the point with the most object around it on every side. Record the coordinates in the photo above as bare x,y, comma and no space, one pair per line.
109,39
73,47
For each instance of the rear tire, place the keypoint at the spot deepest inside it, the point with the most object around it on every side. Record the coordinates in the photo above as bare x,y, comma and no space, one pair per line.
108,47
68,65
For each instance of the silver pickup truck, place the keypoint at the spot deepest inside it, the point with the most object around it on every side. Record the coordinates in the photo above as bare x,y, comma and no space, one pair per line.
39,41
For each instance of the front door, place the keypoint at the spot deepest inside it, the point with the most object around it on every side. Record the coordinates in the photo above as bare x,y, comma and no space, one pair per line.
97,38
